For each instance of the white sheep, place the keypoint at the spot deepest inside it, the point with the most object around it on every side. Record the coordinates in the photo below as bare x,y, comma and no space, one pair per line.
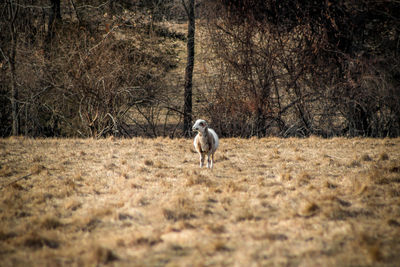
205,142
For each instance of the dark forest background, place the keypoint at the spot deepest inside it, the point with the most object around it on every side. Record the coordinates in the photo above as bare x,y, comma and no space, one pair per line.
283,68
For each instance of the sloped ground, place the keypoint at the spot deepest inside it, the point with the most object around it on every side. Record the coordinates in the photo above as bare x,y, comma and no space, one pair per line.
135,202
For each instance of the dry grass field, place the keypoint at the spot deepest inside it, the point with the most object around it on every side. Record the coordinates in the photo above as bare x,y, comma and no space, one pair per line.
145,202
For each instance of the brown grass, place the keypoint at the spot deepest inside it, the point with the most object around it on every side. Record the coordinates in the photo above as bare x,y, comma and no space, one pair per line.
142,202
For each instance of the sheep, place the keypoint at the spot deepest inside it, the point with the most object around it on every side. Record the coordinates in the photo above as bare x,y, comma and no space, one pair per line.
205,142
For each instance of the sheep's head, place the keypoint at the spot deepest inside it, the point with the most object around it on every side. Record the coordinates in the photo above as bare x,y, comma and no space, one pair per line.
200,126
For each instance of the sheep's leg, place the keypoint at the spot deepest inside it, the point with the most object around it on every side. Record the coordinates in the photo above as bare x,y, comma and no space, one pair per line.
210,160
201,160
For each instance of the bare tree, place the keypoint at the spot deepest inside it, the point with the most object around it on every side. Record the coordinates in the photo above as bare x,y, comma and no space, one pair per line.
187,108
294,69
54,17
12,13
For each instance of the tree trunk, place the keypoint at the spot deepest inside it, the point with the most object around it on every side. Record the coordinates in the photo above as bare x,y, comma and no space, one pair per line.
187,110
13,12
55,12
54,16
14,96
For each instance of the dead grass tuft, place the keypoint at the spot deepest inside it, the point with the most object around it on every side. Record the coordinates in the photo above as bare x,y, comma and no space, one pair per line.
6,171
375,253
220,246
103,255
125,175
383,156
303,179
176,215
7,235
110,166
330,185
199,179
17,186
235,187
271,237
37,158
182,208
150,240
366,157
70,183
51,222
223,158
78,176
394,168
159,164
372,247
385,175
393,222
300,158
277,237
216,229
361,189
88,224
143,201
246,214
136,186
37,168
148,162
36,241
102,212
308,209
12,198
354,164
72,204
179,226
376,176
143,169
284,177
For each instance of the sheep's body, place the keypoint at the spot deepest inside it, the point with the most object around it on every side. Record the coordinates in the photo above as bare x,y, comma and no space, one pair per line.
206,142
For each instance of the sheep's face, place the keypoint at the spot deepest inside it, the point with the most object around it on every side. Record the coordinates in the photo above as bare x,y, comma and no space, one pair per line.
199,126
